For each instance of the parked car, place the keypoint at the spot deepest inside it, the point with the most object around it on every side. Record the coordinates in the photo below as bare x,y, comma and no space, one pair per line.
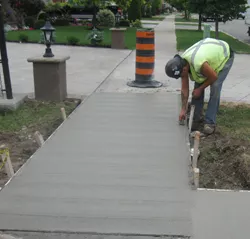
241,15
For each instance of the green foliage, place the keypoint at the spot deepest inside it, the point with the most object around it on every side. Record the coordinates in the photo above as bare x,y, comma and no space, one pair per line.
72,40
156,4
182,5
124,23
106,18
137,23
29,21
39,24
61,21
56,7
134,11
146,9
27,7
89,3
149,12
78,31
42,15
124,4
23,37
197,6
228,9
95,37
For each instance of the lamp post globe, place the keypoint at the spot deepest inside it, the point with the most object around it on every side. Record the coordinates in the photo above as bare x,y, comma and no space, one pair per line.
117,18
48,30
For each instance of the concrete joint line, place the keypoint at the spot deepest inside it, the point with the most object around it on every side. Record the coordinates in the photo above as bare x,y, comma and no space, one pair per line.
101,234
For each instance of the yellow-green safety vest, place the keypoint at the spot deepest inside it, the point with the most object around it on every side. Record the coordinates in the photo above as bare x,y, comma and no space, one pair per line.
215,52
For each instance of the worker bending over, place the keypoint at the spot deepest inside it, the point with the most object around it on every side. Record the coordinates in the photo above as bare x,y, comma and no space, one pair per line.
207,63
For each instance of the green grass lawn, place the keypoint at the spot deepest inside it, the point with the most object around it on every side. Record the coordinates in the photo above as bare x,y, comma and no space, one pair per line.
180,19
62,33
186,38
34,114
234,120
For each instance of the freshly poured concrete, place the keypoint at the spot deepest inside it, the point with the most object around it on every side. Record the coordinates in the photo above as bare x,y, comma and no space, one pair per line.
220,215
118,165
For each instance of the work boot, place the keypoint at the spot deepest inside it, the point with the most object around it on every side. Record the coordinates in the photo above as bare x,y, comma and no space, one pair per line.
209,129
197,123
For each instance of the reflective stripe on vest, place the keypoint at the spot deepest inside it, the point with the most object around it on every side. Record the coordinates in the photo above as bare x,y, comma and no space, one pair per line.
198,45
220,43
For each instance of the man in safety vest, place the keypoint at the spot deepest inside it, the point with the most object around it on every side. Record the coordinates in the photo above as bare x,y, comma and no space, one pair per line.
207,63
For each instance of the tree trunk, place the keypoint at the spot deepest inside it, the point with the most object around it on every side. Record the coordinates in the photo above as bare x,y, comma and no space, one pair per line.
217,28
94,20
186,14
200,22
94,17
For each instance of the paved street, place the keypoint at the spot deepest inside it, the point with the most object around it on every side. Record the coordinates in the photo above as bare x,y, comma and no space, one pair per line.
236,28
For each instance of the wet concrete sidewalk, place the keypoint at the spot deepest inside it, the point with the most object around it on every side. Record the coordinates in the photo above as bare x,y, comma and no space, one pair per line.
119,164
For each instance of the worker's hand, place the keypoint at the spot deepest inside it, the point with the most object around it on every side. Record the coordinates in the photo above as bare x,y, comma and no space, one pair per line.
182,115
197,93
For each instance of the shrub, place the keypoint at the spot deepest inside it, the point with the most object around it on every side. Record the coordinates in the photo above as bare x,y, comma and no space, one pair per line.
95,37
73,40
124,23
39,24
156,4
42,16
137,23
134,11
29,21
27,7
106,18
23,37
61,22
149,12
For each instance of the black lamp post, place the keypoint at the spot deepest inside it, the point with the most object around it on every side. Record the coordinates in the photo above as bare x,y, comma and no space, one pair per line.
4,58
48,35
117,18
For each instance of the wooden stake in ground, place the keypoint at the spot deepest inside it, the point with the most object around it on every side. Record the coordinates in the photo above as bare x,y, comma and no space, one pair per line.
191,118
196,177
63,113
196,148
4,153
39,138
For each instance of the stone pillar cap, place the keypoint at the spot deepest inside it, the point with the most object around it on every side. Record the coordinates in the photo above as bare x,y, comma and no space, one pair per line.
55,59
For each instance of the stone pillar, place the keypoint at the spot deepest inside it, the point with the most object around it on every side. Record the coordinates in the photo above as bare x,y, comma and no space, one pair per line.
118,38
50,81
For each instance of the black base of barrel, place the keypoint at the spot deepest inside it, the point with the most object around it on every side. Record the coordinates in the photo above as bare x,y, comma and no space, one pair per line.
145,84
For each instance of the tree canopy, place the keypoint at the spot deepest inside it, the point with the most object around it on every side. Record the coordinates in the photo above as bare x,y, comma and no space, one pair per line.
226,10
